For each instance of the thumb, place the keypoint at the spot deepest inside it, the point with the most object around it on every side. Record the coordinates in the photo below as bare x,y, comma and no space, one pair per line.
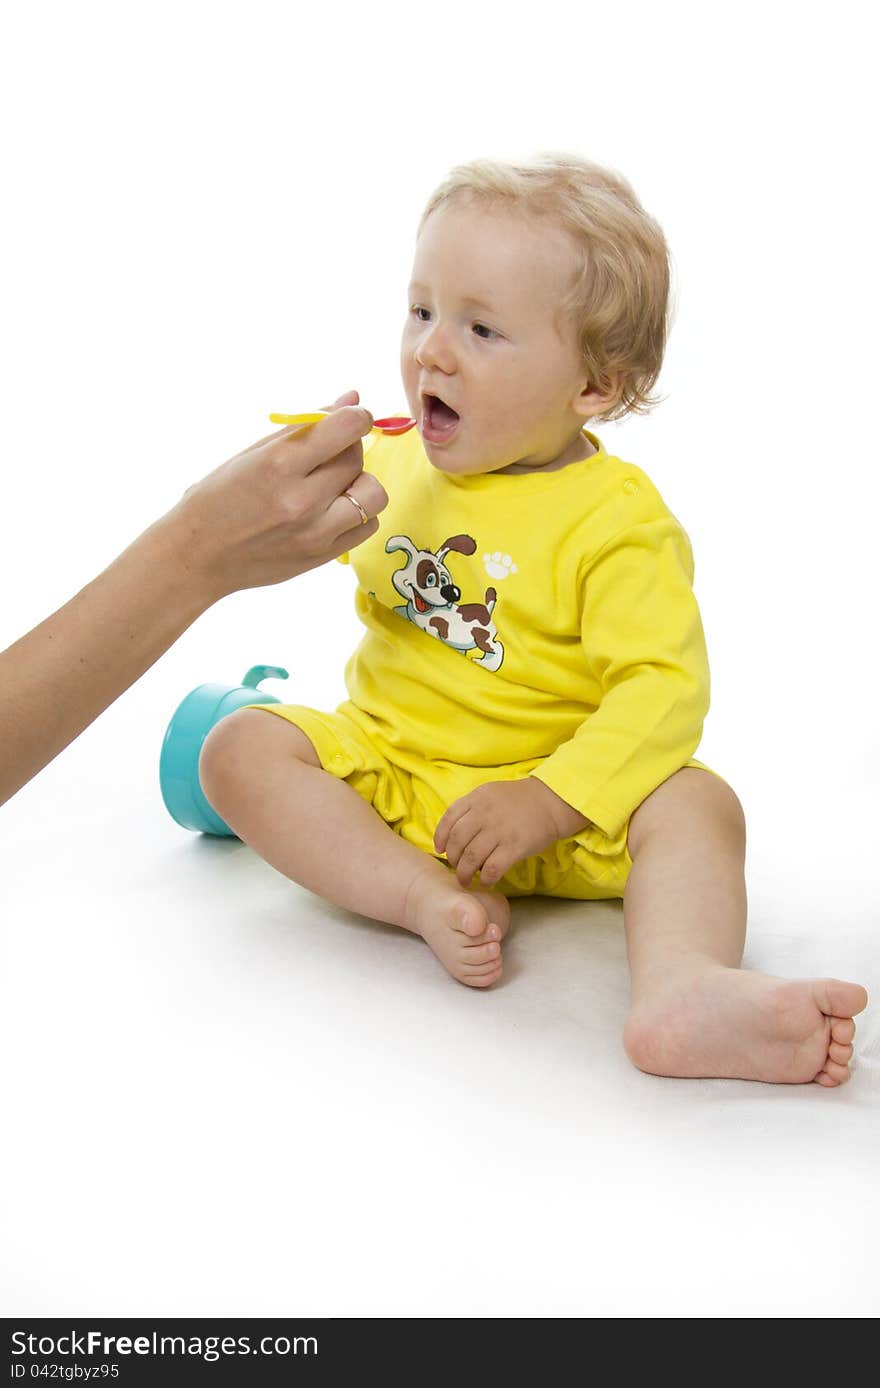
351,397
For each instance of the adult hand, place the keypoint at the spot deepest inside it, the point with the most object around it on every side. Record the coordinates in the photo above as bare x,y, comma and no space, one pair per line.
273,511
499,824
278,508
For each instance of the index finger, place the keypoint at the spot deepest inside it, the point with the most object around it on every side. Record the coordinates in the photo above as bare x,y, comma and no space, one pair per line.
297,430
333,434
447,822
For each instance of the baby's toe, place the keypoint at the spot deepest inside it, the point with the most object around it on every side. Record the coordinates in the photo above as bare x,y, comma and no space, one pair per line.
832,1074
483,976
843,1029
492,934
482,954
470,917
481,970
841,1055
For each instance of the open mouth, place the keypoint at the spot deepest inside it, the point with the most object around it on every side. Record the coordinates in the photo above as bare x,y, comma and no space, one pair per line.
439,420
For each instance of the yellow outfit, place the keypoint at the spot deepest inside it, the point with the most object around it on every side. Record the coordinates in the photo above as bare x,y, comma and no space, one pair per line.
533,624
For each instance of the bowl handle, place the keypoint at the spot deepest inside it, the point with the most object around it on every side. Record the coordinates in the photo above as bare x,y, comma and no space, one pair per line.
263,672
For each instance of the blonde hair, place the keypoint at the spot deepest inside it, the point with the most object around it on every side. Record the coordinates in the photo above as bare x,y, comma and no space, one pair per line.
619,298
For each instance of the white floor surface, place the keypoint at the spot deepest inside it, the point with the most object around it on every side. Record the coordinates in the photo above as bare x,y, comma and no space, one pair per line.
229,1098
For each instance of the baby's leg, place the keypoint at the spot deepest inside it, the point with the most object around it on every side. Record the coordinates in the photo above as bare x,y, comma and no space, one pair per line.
695,1012
264,778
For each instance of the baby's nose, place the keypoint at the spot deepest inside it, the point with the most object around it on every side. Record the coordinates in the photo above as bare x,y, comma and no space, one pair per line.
434,351
450,592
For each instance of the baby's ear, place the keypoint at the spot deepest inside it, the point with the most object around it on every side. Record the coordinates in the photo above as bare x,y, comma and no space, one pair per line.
601,395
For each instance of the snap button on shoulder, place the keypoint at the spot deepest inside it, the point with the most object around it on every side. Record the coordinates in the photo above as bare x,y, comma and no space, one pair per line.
630,486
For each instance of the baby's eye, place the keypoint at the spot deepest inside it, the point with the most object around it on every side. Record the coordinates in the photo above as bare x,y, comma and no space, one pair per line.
417,309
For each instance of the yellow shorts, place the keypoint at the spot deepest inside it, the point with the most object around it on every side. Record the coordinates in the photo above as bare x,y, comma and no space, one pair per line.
411,795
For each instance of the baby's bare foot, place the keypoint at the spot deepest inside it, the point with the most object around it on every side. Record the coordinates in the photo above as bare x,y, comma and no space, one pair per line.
464,928
734,1024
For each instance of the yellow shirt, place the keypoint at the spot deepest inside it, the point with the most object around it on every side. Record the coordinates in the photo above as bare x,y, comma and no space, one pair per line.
539,615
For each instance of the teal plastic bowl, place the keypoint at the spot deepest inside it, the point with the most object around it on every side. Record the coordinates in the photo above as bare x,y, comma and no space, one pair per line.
179,763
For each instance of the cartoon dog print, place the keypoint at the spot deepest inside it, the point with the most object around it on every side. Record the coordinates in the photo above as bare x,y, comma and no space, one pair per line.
432,599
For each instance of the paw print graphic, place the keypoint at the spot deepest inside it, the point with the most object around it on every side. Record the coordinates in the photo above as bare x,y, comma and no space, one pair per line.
499,565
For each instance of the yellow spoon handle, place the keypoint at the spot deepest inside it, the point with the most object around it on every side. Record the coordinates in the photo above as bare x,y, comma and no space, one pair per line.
304,421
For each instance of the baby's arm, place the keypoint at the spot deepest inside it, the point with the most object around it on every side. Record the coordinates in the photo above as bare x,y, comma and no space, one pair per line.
499,824
644,649
643,644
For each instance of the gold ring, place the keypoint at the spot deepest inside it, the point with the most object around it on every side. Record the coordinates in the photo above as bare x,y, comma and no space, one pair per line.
365,519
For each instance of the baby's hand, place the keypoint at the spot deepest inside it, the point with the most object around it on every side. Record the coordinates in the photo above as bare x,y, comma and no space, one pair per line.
499,824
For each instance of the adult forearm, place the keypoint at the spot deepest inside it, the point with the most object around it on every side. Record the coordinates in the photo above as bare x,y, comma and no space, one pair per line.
59,677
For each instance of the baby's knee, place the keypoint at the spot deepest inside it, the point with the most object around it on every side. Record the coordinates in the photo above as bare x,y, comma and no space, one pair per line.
234,748
224,753
691,801
725,804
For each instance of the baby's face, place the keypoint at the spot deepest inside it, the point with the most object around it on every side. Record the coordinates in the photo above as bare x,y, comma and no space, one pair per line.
481,334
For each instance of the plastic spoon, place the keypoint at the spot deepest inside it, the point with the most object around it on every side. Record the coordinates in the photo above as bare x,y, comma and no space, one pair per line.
394,424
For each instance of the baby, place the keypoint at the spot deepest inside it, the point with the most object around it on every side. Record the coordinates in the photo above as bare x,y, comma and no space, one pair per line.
532,684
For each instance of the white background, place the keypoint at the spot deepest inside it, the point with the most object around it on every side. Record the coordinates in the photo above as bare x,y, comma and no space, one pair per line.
226,1097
